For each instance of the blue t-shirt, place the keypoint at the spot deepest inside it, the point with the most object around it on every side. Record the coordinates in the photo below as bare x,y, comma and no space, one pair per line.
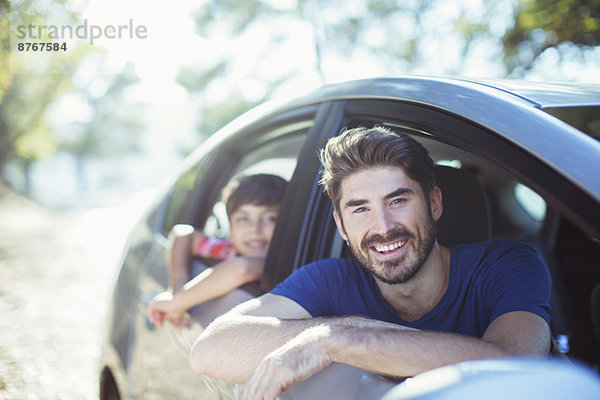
487,279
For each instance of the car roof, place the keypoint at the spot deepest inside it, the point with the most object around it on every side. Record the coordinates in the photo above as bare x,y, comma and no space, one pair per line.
510,108
420,88
549,95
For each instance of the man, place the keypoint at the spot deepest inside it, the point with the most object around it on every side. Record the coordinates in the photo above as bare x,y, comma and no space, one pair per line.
424,305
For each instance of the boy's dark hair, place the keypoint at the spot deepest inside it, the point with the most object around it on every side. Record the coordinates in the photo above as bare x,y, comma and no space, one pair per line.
259,189
361,148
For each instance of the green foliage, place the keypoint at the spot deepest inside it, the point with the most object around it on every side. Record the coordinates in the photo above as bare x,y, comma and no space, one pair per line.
542,24
28,85
33,85
395,35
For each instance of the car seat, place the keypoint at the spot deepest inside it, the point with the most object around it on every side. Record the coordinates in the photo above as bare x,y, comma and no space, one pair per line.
466,217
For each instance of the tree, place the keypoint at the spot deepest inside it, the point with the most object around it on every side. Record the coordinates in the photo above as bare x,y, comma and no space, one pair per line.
380,37
35,84
28,86
551,25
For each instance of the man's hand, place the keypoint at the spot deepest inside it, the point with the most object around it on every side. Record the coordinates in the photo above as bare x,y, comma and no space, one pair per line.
298,359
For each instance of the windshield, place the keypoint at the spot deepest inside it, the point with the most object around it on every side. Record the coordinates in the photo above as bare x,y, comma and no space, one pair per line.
586,119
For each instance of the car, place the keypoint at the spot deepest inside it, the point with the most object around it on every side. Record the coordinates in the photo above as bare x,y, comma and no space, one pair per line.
514,159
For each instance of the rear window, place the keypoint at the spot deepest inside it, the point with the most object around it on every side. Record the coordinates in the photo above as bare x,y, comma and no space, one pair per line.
586,119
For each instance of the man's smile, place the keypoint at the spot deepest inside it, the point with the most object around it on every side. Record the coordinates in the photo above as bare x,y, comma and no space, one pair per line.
382,249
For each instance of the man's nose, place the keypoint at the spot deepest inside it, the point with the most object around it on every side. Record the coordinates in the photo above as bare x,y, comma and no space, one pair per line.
383,221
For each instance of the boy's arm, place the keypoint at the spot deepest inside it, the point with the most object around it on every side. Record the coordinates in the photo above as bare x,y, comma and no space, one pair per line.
183,238
218,281
211,283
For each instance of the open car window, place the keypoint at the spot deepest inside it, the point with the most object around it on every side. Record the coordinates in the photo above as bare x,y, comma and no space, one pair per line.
278,157
519,192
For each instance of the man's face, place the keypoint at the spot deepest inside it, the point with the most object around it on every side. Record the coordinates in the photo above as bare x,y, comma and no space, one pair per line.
388,222
252,228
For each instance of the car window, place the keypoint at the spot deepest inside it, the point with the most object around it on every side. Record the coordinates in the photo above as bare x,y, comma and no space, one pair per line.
180,195
586,119
531,202
278,157
528,201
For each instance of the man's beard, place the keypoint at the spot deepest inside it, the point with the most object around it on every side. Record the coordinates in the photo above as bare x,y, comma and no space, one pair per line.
405,267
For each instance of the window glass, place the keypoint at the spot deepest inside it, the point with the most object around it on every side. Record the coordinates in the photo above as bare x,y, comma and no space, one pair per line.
181,194
586,119
531,202
177,200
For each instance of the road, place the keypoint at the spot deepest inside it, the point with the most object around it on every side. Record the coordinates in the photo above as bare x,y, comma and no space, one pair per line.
57,269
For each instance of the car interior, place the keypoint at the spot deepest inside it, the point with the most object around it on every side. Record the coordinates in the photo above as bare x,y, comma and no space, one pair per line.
488,200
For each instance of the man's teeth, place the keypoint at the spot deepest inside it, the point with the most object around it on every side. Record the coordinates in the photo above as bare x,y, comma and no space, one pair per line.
393,246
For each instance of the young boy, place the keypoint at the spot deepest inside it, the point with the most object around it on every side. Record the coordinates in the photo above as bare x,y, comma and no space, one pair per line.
252,205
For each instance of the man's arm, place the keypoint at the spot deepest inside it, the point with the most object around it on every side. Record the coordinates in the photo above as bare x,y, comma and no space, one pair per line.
277,351
391,350
233,345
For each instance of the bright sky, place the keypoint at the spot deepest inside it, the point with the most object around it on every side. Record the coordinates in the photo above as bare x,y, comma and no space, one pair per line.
170,42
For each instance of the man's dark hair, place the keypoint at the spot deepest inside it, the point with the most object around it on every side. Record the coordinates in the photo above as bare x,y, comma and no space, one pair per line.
362,148
259,189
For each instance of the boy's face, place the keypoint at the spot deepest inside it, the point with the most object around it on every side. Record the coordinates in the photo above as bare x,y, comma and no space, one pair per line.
252,228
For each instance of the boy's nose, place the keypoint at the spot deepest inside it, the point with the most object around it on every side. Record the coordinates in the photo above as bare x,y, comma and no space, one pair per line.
256,225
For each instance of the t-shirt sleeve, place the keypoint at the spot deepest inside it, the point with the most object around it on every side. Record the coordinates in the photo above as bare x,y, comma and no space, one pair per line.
309,287
214,248
518,281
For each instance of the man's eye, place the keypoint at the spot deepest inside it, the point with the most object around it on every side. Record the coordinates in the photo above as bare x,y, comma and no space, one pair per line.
359,210
399,200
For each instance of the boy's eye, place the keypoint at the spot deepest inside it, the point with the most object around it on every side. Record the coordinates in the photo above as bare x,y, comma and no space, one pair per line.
271,218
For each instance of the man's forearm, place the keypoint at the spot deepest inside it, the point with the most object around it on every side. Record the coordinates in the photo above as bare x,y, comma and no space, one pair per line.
232,347
404,353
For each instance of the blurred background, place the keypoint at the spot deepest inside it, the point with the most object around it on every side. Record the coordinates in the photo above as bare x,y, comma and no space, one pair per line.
88,131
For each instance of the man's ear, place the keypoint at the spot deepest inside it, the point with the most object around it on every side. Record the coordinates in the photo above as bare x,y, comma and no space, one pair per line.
435,201
340,225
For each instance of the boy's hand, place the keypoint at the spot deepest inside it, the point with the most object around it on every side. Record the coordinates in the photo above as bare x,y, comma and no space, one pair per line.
163,308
